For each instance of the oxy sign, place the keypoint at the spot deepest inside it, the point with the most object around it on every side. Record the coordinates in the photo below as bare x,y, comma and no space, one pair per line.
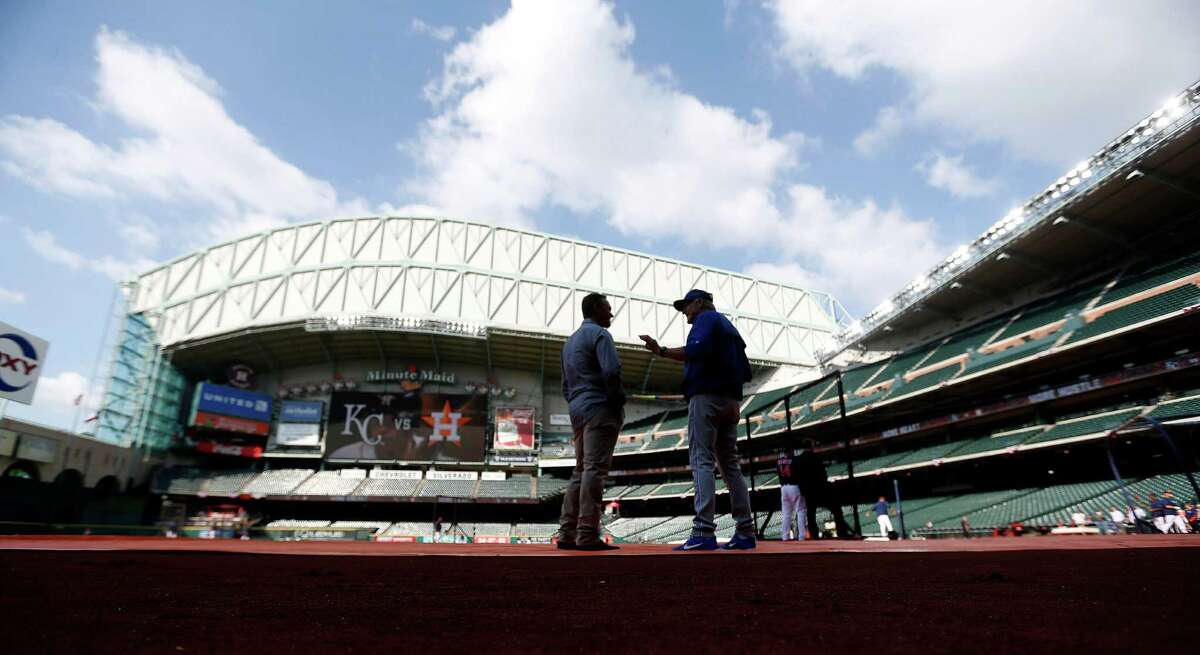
21,359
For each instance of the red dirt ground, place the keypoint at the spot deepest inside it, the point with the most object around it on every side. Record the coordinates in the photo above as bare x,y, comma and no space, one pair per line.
1090,594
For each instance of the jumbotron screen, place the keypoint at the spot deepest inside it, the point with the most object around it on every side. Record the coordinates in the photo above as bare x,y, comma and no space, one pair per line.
411,427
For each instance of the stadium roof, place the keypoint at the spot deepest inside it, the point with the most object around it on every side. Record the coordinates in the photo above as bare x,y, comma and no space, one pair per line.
1142,184
477,284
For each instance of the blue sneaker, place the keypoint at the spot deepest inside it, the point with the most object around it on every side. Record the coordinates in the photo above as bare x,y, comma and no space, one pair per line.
738,542
698,543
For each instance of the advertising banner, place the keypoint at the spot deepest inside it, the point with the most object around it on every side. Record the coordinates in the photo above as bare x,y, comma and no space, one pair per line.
514,428
230,424
37,449
301,411
409,427
297,434
214,448
227,401
21,359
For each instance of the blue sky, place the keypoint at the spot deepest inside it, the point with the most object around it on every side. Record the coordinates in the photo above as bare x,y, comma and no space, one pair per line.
875,140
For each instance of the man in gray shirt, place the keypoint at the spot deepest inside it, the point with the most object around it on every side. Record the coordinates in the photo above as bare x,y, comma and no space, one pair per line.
591,383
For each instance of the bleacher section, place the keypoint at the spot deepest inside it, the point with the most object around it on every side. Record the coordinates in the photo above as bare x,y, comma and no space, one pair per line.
449,488
387,487
327,483
518,486
276,483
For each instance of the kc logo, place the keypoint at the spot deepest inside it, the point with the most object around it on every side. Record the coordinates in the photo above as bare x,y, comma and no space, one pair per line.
16,369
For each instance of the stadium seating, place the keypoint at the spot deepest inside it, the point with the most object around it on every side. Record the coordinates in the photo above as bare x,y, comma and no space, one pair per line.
1094,424
298,523
450,488
227,484
533,530
673,489
374,526
277,482
387,487
628,528
548,487
1185,407
517,486
1142,310
327,483
408,529
488,529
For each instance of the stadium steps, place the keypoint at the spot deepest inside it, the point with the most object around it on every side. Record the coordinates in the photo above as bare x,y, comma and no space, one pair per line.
1092,424
997,442
1143,310
1186,407
926,381
1134,281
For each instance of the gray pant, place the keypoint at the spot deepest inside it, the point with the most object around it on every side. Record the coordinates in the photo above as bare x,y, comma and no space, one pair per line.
594,442
712,440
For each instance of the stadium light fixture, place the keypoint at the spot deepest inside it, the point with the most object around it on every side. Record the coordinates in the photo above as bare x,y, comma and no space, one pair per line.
1134,174
1061,220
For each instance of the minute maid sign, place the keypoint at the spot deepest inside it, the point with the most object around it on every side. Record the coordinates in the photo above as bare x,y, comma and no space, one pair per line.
411,374
21,359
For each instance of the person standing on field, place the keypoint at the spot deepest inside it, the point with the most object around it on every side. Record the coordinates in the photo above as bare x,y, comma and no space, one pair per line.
714,369
791,500
591,384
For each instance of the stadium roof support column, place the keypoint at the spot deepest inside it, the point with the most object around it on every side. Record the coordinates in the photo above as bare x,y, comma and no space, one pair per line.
437,360
646,377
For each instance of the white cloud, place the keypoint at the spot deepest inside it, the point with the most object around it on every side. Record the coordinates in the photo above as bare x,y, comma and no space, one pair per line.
190,150
887,125
858,251
950,174
1053,81
47,246
139,233
57,393
440,33
44,244
8,296
546,107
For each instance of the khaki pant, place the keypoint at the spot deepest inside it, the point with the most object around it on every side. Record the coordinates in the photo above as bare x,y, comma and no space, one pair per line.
594,442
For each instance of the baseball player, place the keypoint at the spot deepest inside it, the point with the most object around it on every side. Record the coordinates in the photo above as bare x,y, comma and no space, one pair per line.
881,515
794,506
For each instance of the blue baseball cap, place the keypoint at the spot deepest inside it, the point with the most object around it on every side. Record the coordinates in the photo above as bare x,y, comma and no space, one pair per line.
694,294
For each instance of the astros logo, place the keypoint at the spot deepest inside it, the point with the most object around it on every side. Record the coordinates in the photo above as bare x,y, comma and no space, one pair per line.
445,424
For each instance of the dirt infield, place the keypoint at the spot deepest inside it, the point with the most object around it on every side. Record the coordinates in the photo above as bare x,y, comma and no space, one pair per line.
151,595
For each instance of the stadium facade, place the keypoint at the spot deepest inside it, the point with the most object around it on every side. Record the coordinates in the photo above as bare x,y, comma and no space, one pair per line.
383,329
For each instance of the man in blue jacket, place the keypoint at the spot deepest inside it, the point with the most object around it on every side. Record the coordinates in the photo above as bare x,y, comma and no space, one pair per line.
714,369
